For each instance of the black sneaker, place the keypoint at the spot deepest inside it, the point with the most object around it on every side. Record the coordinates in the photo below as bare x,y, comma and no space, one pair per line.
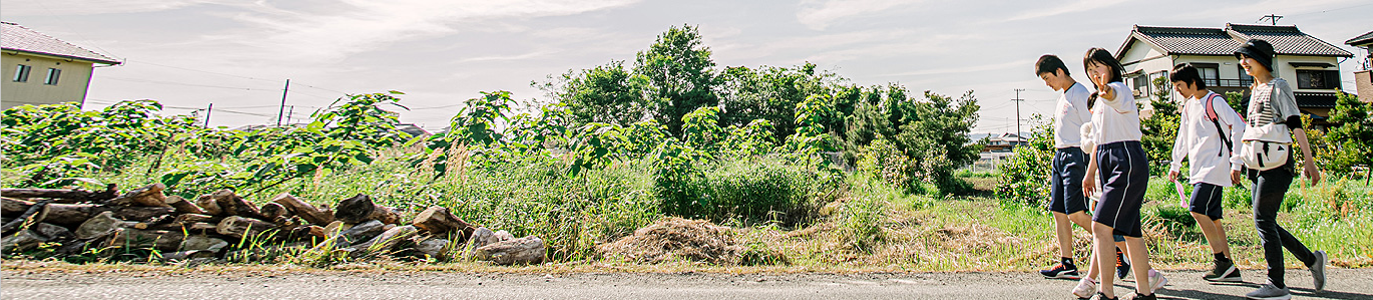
1145,297
1122,266
1224,271
1100,296
1061,271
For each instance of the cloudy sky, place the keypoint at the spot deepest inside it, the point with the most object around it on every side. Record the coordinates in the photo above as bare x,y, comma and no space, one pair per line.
238,54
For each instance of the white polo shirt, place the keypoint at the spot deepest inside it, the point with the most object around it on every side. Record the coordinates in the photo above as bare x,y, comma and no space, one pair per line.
1199,142
1069,116
1116,120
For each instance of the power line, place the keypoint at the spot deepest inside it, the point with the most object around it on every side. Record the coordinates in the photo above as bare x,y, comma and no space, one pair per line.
185,84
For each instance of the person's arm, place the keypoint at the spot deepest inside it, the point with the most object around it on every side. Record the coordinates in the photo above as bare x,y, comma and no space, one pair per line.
1286,103
1180,146
1309,169
1231,119
1089,181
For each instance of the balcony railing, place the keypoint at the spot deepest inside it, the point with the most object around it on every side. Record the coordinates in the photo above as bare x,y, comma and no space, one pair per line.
1239,82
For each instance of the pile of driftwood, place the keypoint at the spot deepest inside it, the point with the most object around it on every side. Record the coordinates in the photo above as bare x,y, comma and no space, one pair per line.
180,229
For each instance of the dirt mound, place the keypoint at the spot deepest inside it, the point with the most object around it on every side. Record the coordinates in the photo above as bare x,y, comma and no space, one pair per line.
973,237
672,239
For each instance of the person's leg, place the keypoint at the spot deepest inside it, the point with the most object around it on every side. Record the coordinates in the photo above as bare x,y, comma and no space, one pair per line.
1269,188
1214,234
1104,257
1065,235
1139,258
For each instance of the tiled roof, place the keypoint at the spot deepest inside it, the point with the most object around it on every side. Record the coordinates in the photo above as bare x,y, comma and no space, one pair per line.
1316,100
20,38
1362,39
1181,40
1286,40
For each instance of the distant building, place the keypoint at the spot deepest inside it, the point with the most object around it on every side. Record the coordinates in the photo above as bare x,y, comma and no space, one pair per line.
1363,80
1005,142
42,69
1309,64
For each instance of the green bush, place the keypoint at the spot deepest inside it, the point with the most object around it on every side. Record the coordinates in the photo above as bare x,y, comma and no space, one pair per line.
1024,178
746,191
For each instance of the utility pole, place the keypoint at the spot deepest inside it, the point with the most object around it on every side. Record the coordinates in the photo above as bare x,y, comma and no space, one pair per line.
1017,111
1272,17
289,113
282,109
208,110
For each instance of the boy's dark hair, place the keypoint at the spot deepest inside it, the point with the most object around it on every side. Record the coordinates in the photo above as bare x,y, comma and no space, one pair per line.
1103,57
1048,64
1187,73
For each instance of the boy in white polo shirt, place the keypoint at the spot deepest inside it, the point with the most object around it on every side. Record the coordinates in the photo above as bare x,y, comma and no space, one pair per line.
1209,135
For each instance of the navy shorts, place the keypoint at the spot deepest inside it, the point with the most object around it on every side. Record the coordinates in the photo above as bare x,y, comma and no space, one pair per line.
1124,171
1065,194
1206,200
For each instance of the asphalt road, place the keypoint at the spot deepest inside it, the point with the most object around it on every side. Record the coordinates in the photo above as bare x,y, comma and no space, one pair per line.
1344,284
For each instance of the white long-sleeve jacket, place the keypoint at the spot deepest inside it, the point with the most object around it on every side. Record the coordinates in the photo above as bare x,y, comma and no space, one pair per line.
1199,142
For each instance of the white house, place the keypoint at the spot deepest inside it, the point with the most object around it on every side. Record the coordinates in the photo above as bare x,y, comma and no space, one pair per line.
1310,64
42,69
1362,81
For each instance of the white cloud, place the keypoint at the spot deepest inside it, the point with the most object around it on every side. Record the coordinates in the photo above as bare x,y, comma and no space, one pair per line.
88,7
371,25
819,16
1080,6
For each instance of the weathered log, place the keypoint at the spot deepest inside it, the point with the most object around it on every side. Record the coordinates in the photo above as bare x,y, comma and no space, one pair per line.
385,241
241,227
202,243
184,206
480,237
273,210
11,207
501,236
317,231
207,203
335,228
24,240
439,220
362,232
63,195
33,215
150,196
100,225
192,218
75,214
526,250
232,204
360,208
162,240
306,211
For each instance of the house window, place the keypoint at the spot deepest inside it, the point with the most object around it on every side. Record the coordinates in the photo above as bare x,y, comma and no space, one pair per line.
21,74
1210,73
53,74
1317,79
1141,84
1245,79
1155,76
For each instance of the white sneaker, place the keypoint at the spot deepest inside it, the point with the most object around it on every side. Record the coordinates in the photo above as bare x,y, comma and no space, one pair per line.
1156,280
1085,288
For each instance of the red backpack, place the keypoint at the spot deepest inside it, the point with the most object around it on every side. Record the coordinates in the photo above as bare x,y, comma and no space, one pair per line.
1215,120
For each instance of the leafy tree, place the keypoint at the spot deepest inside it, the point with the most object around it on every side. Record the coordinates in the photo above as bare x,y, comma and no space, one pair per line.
772,93
605,94
1352,138
1024,177
1161,128
680,75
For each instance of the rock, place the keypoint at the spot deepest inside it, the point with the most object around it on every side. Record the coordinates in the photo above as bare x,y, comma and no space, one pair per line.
51,232
432,247
526,250
183,206
22,241
203,243
386,240
242,227
438,220
306,211
362,232
187,255
98,226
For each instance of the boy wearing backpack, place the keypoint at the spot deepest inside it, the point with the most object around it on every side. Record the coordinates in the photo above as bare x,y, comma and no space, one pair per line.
1209,134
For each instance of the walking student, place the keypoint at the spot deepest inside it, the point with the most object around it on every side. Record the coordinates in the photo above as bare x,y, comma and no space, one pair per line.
1272,121
1209,137
1069,165
1123,166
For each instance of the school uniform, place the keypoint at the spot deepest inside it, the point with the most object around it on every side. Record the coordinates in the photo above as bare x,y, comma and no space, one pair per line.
1121,162
1211,160
1070,162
